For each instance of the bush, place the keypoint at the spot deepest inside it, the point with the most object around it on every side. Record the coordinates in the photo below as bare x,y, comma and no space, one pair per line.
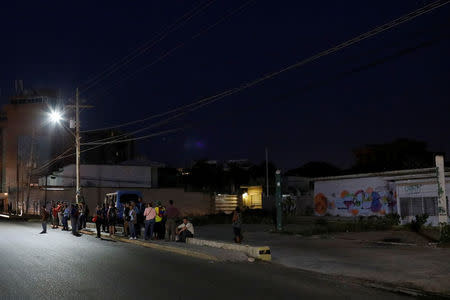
418,222
445,234
393,218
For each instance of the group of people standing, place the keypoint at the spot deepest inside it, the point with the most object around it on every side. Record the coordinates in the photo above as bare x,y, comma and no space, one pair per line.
60,213
159,222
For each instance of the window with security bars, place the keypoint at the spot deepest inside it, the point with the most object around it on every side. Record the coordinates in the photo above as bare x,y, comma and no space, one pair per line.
412,206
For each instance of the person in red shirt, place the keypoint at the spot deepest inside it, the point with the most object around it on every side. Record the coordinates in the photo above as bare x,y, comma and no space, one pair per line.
55,216
172,214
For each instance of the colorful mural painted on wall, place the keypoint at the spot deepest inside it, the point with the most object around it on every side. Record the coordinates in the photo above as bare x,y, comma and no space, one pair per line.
359,203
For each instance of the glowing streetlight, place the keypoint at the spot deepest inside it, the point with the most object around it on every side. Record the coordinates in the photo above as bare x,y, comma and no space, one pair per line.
55,116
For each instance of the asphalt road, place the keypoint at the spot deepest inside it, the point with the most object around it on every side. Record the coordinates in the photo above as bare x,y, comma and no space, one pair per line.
60,266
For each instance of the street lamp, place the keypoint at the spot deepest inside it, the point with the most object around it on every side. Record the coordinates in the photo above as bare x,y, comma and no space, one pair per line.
55,116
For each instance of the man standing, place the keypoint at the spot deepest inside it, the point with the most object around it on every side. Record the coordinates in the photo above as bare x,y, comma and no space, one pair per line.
44,218
74,219
140,207
172,215
66,214
126,219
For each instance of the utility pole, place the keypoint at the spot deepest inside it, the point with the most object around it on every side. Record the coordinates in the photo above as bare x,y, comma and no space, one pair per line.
278,199
77,107
77,144
267,173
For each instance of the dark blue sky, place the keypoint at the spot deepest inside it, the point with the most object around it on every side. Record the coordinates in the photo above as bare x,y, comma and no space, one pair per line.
393,85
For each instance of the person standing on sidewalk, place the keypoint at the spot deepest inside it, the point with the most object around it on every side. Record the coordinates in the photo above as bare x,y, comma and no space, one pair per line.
98,220
60,213
44,218
86,214
105,218
150,215
74,219
172,214
82,216
126,219
158,220
55,217
237,224
140,207
66,215
133,221
112,219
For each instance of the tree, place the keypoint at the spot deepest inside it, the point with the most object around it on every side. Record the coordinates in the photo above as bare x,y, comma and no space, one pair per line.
400,154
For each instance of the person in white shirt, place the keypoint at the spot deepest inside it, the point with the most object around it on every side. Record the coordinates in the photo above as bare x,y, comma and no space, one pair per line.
185,230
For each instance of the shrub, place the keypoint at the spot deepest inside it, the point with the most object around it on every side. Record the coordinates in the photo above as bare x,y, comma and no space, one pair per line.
418,222
445,234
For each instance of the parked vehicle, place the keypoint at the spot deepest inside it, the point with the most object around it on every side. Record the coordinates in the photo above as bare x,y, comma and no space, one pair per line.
119,198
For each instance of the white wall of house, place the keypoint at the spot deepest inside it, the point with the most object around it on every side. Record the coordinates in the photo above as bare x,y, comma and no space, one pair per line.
354,197
379,196
116,176
417,197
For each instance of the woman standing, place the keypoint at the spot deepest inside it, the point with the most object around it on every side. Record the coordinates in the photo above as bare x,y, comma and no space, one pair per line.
55,216
149,215
133,221
112,218
98,220
237,224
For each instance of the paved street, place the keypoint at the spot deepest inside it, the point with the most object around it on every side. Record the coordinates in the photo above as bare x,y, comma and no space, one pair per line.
353,254
59,265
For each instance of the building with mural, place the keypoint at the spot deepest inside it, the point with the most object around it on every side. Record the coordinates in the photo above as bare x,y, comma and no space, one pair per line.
407,192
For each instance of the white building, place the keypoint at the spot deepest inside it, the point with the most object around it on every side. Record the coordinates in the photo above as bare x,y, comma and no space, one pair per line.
116,176
408,193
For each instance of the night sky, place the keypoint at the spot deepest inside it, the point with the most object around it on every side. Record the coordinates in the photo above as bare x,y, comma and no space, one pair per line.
393,85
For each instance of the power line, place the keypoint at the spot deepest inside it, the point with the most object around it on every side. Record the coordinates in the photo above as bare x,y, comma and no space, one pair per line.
98,145
136,131
357,39
134,139
106,91
145,47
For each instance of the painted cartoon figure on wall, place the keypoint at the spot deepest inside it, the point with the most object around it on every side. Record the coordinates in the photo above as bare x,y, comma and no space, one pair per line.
359,203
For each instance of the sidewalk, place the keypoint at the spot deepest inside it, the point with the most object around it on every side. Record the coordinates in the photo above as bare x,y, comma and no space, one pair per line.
398,258
207,253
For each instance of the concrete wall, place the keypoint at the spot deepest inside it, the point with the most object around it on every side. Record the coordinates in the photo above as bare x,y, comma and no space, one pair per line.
189,203
354,197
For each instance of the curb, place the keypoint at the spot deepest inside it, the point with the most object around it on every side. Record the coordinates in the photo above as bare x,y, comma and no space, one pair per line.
175,250
258,252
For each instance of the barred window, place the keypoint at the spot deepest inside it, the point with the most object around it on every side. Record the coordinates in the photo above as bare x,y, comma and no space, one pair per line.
412,206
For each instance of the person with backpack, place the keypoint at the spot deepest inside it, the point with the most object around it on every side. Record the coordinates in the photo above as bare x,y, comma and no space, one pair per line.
112,219
74,219
126,219
44,218
159,228
133,221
